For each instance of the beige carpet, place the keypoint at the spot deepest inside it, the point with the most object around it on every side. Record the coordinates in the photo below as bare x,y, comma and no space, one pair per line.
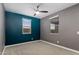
36,48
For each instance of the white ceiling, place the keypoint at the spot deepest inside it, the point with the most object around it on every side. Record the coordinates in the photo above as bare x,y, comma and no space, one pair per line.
28,8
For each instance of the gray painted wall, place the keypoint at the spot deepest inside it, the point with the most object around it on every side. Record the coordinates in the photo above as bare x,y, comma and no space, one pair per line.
2,36
68,27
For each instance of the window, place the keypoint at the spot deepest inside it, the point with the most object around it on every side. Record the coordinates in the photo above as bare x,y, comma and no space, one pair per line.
54,24
26,26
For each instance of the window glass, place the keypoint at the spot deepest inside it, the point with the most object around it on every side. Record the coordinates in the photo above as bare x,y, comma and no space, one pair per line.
26,26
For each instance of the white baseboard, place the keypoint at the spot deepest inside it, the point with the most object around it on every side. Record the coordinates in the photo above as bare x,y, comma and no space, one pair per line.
22,43
61,46
18,44
3,51
42,41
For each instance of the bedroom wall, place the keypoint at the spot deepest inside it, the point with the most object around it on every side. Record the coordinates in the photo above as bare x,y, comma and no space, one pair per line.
14,28
2,32
68,28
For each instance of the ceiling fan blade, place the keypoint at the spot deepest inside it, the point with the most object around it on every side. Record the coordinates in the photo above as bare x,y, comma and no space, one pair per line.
39,5
35,14
44,11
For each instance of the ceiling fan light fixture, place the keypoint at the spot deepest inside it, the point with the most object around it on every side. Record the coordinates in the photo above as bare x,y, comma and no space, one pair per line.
37,12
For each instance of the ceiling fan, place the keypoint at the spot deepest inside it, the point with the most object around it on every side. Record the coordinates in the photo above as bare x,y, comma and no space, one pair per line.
37,11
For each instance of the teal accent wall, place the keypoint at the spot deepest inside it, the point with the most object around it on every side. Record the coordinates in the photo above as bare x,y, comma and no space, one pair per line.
13,24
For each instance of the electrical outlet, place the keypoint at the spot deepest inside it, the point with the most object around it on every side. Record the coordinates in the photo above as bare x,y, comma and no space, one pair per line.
32,38
58,41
